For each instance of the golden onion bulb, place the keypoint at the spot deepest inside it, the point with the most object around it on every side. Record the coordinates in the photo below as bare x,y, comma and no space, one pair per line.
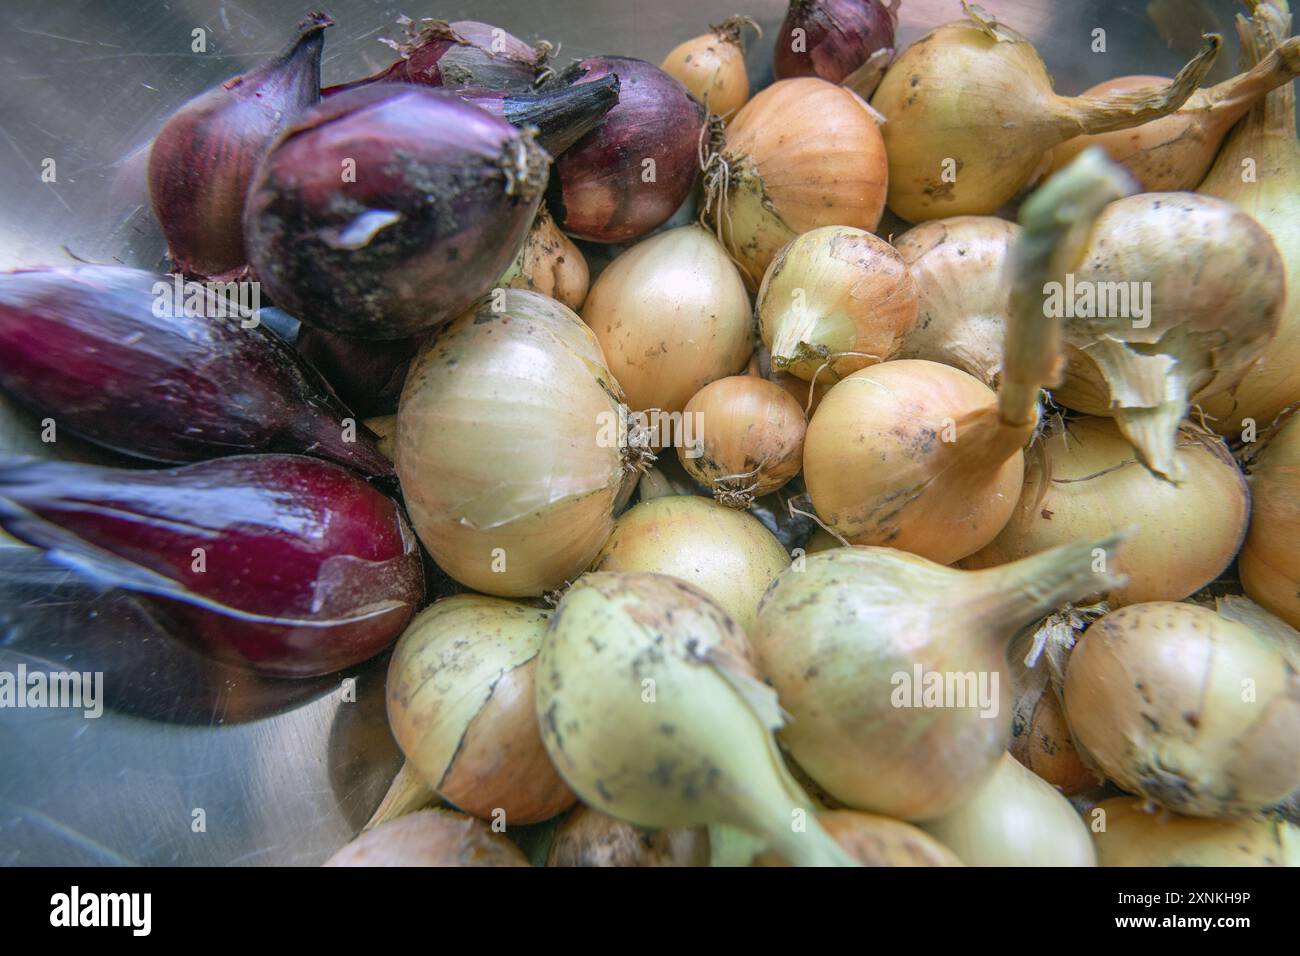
430,838
1270,559
712,66
1126,833
588,837
874,840
549,263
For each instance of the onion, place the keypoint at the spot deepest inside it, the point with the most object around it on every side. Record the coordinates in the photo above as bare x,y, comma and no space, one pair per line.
959,266
856,638
836,299
561,115
1084,478
202,160
1015,819
439,201
508,446
367,374
728,555
1186,708
460,705
671,315
1127,834
1213,287
1270,560
549,263
801,154
630,173
1176,151
1043,745
879,841
969,112
289,565
1264,146
835,39
430,838
712,66
588,837
653,712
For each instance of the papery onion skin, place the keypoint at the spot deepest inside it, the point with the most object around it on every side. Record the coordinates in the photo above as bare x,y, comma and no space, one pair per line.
835,300
801,154
725,553
629,174
671,315
839,37
289,565
874,840
112,360
202,161
507,446
588,837
440,200
1085,478
712,66
1270,559
460,705
550,263
1154,695
430,838
1126,833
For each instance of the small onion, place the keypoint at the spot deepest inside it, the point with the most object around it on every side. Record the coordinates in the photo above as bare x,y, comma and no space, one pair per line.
1015,819
835,299
1186,708
1270,560
588,837
509,449
834,39
1126,833
712,66
460,705
726,554
430,838
801,154
549,263
671,315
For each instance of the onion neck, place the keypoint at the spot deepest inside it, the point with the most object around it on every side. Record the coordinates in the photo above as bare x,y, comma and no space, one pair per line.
1230,100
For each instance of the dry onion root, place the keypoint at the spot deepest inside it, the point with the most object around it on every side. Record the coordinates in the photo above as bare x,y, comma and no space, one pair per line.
712,66
1270,559
549,263
430,838
1186,708
588,837
1127,833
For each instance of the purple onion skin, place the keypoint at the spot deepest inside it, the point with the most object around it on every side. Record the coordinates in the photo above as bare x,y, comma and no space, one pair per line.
366,374
442,199
461,55
306,568
561,115
82,344
203,159
599,193
840,36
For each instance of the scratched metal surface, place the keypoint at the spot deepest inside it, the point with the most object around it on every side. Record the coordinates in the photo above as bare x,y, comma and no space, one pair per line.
284,773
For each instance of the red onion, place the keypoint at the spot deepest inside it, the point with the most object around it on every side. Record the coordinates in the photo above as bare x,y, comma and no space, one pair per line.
202,160
561,115
290,565
367,374
111,355
389,209
458,55
632,171
838,38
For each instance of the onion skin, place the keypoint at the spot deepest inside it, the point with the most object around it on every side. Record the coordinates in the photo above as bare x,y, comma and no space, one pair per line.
725,553
430,838
1185,535
874,840
712,66
588,837
550,263
415,239
840,36
1155,695
303,567
600,192
1270,560
84,345
1134,836
202,161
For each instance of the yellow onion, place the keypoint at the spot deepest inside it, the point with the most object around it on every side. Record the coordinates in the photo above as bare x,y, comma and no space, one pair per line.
1259,170
727,554
1213,287
588,837
874,840
1270,560
654,713
1015,819
855,637
835,299
712,66
671,315
747,438
969,112
1176,151
460,705
1128,834
1083,478
549,263
1192,711
959,266
801,154
430,838
508,449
